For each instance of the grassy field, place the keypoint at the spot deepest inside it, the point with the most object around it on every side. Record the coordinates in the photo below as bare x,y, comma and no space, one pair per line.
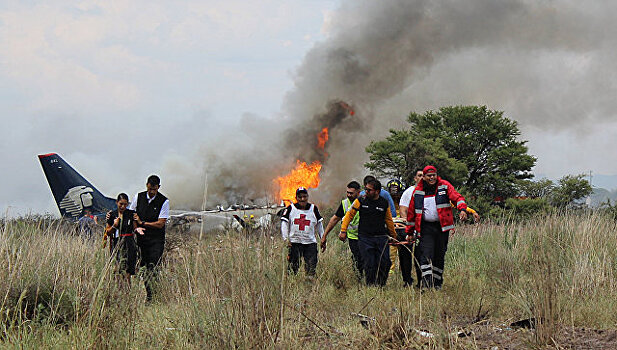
231,291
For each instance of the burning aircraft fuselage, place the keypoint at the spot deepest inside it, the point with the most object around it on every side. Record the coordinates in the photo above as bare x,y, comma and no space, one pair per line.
309,164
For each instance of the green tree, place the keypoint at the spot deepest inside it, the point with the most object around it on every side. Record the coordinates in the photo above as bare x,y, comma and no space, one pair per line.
401,153
536,189
525,208
471,146
570,189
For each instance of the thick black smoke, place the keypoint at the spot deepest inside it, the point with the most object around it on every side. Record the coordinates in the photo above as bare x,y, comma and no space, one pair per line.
302,142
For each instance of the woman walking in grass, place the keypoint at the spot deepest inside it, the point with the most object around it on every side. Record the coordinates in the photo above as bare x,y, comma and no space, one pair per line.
120,229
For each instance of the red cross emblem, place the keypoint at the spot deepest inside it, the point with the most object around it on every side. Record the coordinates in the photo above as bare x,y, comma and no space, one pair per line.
302,222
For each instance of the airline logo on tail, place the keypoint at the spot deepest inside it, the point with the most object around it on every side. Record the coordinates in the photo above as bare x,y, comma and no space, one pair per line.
76,199
72,192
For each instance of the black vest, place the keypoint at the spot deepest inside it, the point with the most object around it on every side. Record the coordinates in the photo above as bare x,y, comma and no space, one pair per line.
149,212
127,220
372,216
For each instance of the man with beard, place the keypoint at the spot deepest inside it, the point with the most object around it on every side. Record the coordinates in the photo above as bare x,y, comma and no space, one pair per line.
430,217
375,229
353,190
300,223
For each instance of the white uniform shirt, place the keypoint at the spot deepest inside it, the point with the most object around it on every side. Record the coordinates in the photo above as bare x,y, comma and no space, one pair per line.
406,197
300,226
163,214
429,213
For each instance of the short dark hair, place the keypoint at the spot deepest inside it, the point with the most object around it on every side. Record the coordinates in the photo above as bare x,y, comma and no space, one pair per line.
368,178
122,196
418,169
354,184
153,180
376,184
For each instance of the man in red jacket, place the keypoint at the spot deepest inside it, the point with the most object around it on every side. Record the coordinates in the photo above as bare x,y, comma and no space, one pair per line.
430,217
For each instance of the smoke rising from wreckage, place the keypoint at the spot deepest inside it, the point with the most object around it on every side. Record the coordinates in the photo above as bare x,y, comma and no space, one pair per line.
389,58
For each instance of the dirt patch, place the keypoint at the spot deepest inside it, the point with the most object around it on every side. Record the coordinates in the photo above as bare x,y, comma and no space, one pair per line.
490,335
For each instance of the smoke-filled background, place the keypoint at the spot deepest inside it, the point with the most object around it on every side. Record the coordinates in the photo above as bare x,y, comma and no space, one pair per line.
240,91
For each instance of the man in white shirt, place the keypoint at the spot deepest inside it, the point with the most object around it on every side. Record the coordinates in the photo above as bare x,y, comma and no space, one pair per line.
152,212
300,223
405,257
406,197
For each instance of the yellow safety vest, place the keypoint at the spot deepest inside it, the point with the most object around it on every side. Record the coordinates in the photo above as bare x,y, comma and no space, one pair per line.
352,229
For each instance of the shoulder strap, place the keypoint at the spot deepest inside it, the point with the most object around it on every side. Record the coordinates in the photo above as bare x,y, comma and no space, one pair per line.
346,204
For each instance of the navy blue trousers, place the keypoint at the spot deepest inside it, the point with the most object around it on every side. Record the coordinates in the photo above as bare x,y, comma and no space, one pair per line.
308,252
151,251
376,255
407,260
433,246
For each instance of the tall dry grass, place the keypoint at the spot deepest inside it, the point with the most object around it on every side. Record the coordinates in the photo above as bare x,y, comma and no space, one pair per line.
231,290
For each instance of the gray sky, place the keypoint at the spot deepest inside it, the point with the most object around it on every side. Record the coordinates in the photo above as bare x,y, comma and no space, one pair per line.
221,83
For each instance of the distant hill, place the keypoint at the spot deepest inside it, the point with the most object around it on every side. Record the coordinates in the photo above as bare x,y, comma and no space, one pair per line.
604,187
601,195
608,182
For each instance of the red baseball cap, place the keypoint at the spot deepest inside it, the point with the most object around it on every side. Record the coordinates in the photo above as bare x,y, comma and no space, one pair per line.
429,169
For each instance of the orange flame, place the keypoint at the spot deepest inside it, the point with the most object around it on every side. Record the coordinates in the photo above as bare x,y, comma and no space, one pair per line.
304,175
322,138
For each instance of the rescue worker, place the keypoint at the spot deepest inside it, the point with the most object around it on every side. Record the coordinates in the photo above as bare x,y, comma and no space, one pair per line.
300,223
385,194
395,189
375,229
353,191
249,224
406,198
401,247
151,213
432,220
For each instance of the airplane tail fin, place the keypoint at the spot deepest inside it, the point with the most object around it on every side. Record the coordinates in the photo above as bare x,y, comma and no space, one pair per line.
72,192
